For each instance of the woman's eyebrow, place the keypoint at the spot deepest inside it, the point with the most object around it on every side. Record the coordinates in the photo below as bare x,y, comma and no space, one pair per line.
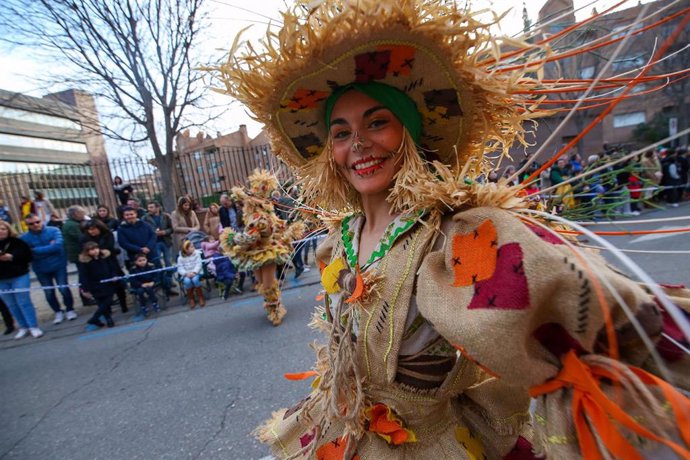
367,113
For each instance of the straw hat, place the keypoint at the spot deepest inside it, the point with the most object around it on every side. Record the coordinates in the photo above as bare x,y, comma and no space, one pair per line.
442,57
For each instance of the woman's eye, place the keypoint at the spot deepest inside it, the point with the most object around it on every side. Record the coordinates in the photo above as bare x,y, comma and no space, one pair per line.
378,123
341,135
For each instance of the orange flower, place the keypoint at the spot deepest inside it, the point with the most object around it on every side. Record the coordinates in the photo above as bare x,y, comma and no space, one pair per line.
386,424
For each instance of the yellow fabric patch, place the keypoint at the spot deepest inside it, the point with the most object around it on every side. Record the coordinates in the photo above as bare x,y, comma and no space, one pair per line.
474,447
330,274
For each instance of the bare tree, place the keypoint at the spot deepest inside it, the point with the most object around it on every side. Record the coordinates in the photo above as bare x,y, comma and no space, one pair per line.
136,56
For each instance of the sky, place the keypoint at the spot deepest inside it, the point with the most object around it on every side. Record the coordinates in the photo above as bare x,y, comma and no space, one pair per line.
19,68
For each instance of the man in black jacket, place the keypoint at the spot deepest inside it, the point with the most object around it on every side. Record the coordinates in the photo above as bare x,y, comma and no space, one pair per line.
162,224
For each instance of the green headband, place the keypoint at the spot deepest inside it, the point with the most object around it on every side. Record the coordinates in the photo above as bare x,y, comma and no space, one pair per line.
392,98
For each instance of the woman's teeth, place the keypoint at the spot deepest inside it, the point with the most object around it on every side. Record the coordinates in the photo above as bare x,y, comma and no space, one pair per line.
368,167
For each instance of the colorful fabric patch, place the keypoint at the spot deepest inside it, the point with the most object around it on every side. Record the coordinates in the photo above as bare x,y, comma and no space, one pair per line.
507,288
446,99
473,446
474,255
401,59
333,450
307,438
305,99
296,408
545,235
372,66
331,274
308,145
385,423
521,451
555,338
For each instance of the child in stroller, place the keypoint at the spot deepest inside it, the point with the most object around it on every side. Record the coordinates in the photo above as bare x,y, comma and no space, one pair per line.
219,265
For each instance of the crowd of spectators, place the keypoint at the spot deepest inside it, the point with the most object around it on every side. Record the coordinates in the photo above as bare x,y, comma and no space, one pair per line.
114,253
604,185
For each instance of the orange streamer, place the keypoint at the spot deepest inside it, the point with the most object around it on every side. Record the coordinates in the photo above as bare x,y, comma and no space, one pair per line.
300,375
667,43
591,405
629,232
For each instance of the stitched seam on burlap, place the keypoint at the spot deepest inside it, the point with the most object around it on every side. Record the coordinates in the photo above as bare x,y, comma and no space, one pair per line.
384,265
398,288
282,446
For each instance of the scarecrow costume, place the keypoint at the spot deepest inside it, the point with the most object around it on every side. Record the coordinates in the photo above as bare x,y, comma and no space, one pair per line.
266,239
469,306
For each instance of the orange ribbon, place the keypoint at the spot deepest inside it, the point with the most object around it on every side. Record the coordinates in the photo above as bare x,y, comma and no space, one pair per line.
590,403
359,288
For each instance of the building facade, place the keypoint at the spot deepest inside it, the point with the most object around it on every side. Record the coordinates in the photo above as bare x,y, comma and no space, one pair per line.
208,166
49,144
651,101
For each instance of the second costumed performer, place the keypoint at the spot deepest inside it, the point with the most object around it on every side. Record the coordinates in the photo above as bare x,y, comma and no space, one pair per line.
265,241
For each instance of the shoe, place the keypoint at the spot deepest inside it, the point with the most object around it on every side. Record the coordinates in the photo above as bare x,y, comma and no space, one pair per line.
92,327
109,321
9,330
125,309
307,268
226,292
59,317
71,315
95,322
298,272
635,213
36,332
156,307
21,333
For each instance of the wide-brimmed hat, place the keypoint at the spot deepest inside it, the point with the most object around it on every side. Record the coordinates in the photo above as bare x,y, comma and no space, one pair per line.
441,56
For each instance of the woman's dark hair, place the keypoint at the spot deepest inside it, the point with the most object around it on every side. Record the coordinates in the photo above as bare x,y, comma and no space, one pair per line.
116,179
95,223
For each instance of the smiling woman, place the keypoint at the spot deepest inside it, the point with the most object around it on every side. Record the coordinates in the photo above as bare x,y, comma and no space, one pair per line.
446,305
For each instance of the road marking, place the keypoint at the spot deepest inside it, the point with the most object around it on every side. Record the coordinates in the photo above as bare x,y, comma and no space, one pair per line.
117,330
657,236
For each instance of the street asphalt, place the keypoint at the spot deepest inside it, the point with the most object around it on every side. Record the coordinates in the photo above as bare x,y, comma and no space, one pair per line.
194,384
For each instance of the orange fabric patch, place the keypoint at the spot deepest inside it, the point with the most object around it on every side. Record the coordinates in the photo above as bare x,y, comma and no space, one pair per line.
333,450
304,99
474,255
401,59
388,426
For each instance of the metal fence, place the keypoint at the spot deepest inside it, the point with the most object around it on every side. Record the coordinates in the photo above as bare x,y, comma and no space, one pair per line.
203,175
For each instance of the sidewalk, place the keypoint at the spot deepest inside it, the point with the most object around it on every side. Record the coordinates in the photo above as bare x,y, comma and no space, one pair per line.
174,305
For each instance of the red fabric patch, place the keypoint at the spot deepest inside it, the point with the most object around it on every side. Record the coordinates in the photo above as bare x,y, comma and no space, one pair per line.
667,349
507,288
544,235
521,451
401,59
372,66
307,438
557,339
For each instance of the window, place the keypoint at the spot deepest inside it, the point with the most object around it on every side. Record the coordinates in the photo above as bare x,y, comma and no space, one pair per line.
628,119
11,140
200,169
39,118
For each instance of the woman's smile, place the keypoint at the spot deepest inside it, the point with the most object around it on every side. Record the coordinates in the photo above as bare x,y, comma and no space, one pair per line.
368,166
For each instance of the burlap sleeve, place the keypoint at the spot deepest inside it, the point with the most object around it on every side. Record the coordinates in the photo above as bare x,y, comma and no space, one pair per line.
515,300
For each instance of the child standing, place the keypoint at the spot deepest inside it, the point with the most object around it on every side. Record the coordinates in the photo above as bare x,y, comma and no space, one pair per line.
97,265
189,268
143,282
